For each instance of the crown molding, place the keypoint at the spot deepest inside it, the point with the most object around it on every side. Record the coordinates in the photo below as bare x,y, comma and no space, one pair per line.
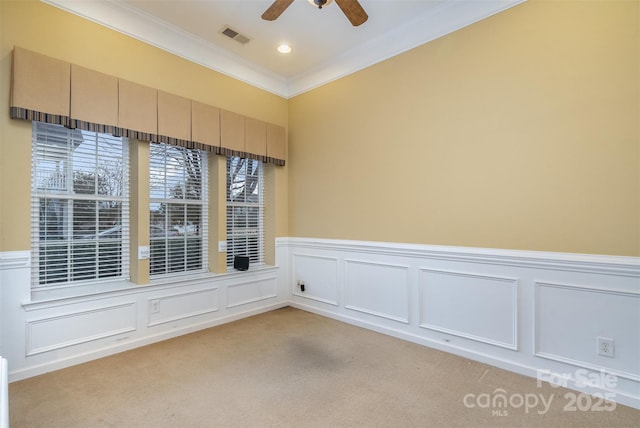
449,17
132,22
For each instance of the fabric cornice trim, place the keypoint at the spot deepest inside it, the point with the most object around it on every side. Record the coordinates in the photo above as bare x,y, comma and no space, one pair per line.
278,162
229,152
189,144
38,116
93,127
135,135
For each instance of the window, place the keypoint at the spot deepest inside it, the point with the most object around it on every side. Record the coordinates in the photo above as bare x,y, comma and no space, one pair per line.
245,209
80,208
178,209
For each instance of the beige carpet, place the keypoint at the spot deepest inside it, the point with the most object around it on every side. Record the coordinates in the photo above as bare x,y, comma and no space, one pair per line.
290,368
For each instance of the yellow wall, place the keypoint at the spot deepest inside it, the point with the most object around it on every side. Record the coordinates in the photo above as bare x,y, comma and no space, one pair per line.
520,131
36,26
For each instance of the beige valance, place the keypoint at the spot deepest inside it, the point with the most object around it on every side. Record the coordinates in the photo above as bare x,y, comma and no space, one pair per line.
40,88
94,100
174,119
276,144
53,91
232,133
205,127
137,111
256,138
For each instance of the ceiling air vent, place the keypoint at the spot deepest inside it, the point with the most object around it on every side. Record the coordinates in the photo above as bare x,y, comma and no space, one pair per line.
233,34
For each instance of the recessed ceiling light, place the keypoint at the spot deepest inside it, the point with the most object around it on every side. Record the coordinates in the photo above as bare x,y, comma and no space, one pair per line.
284,48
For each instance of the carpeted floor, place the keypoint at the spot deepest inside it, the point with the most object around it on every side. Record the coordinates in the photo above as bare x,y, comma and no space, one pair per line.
290,368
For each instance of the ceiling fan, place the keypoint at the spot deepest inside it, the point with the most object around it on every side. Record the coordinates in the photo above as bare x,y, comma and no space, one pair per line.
351,8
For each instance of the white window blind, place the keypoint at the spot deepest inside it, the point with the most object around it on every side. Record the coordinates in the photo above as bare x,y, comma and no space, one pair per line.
245,209
178,209
80,206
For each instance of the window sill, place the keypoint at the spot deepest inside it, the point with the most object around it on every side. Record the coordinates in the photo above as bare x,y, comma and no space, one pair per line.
41,299
173,279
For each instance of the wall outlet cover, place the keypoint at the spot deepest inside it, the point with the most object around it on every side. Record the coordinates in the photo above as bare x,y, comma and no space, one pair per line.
606,347
144,252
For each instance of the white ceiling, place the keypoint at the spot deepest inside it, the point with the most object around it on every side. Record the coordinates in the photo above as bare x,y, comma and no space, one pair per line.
325,46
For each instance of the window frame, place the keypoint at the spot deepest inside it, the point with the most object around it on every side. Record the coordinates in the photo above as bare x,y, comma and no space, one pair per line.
55,144
257,257
182,235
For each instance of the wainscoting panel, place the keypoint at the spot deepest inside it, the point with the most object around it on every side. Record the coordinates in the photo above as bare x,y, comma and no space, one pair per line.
181,306
377,289
251,291
569,319
522,311
53,333
46,331
478,307
506,308
319,275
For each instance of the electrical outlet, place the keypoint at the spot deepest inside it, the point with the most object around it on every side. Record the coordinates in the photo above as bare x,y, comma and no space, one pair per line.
300,286
606,347
155,306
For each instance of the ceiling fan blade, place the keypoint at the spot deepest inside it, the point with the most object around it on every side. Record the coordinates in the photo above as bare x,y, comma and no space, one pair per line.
353,11
276,9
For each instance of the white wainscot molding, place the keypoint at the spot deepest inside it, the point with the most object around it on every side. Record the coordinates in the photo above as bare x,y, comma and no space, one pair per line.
242,293
62,331
515,310
528,312
377,288
478,307
319,275
570,318
14,259
42,332
181,305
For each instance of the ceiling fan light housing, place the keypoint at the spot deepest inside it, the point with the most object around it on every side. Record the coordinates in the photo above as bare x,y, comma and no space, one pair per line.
320,3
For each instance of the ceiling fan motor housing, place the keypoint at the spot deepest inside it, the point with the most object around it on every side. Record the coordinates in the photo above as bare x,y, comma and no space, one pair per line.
320,3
